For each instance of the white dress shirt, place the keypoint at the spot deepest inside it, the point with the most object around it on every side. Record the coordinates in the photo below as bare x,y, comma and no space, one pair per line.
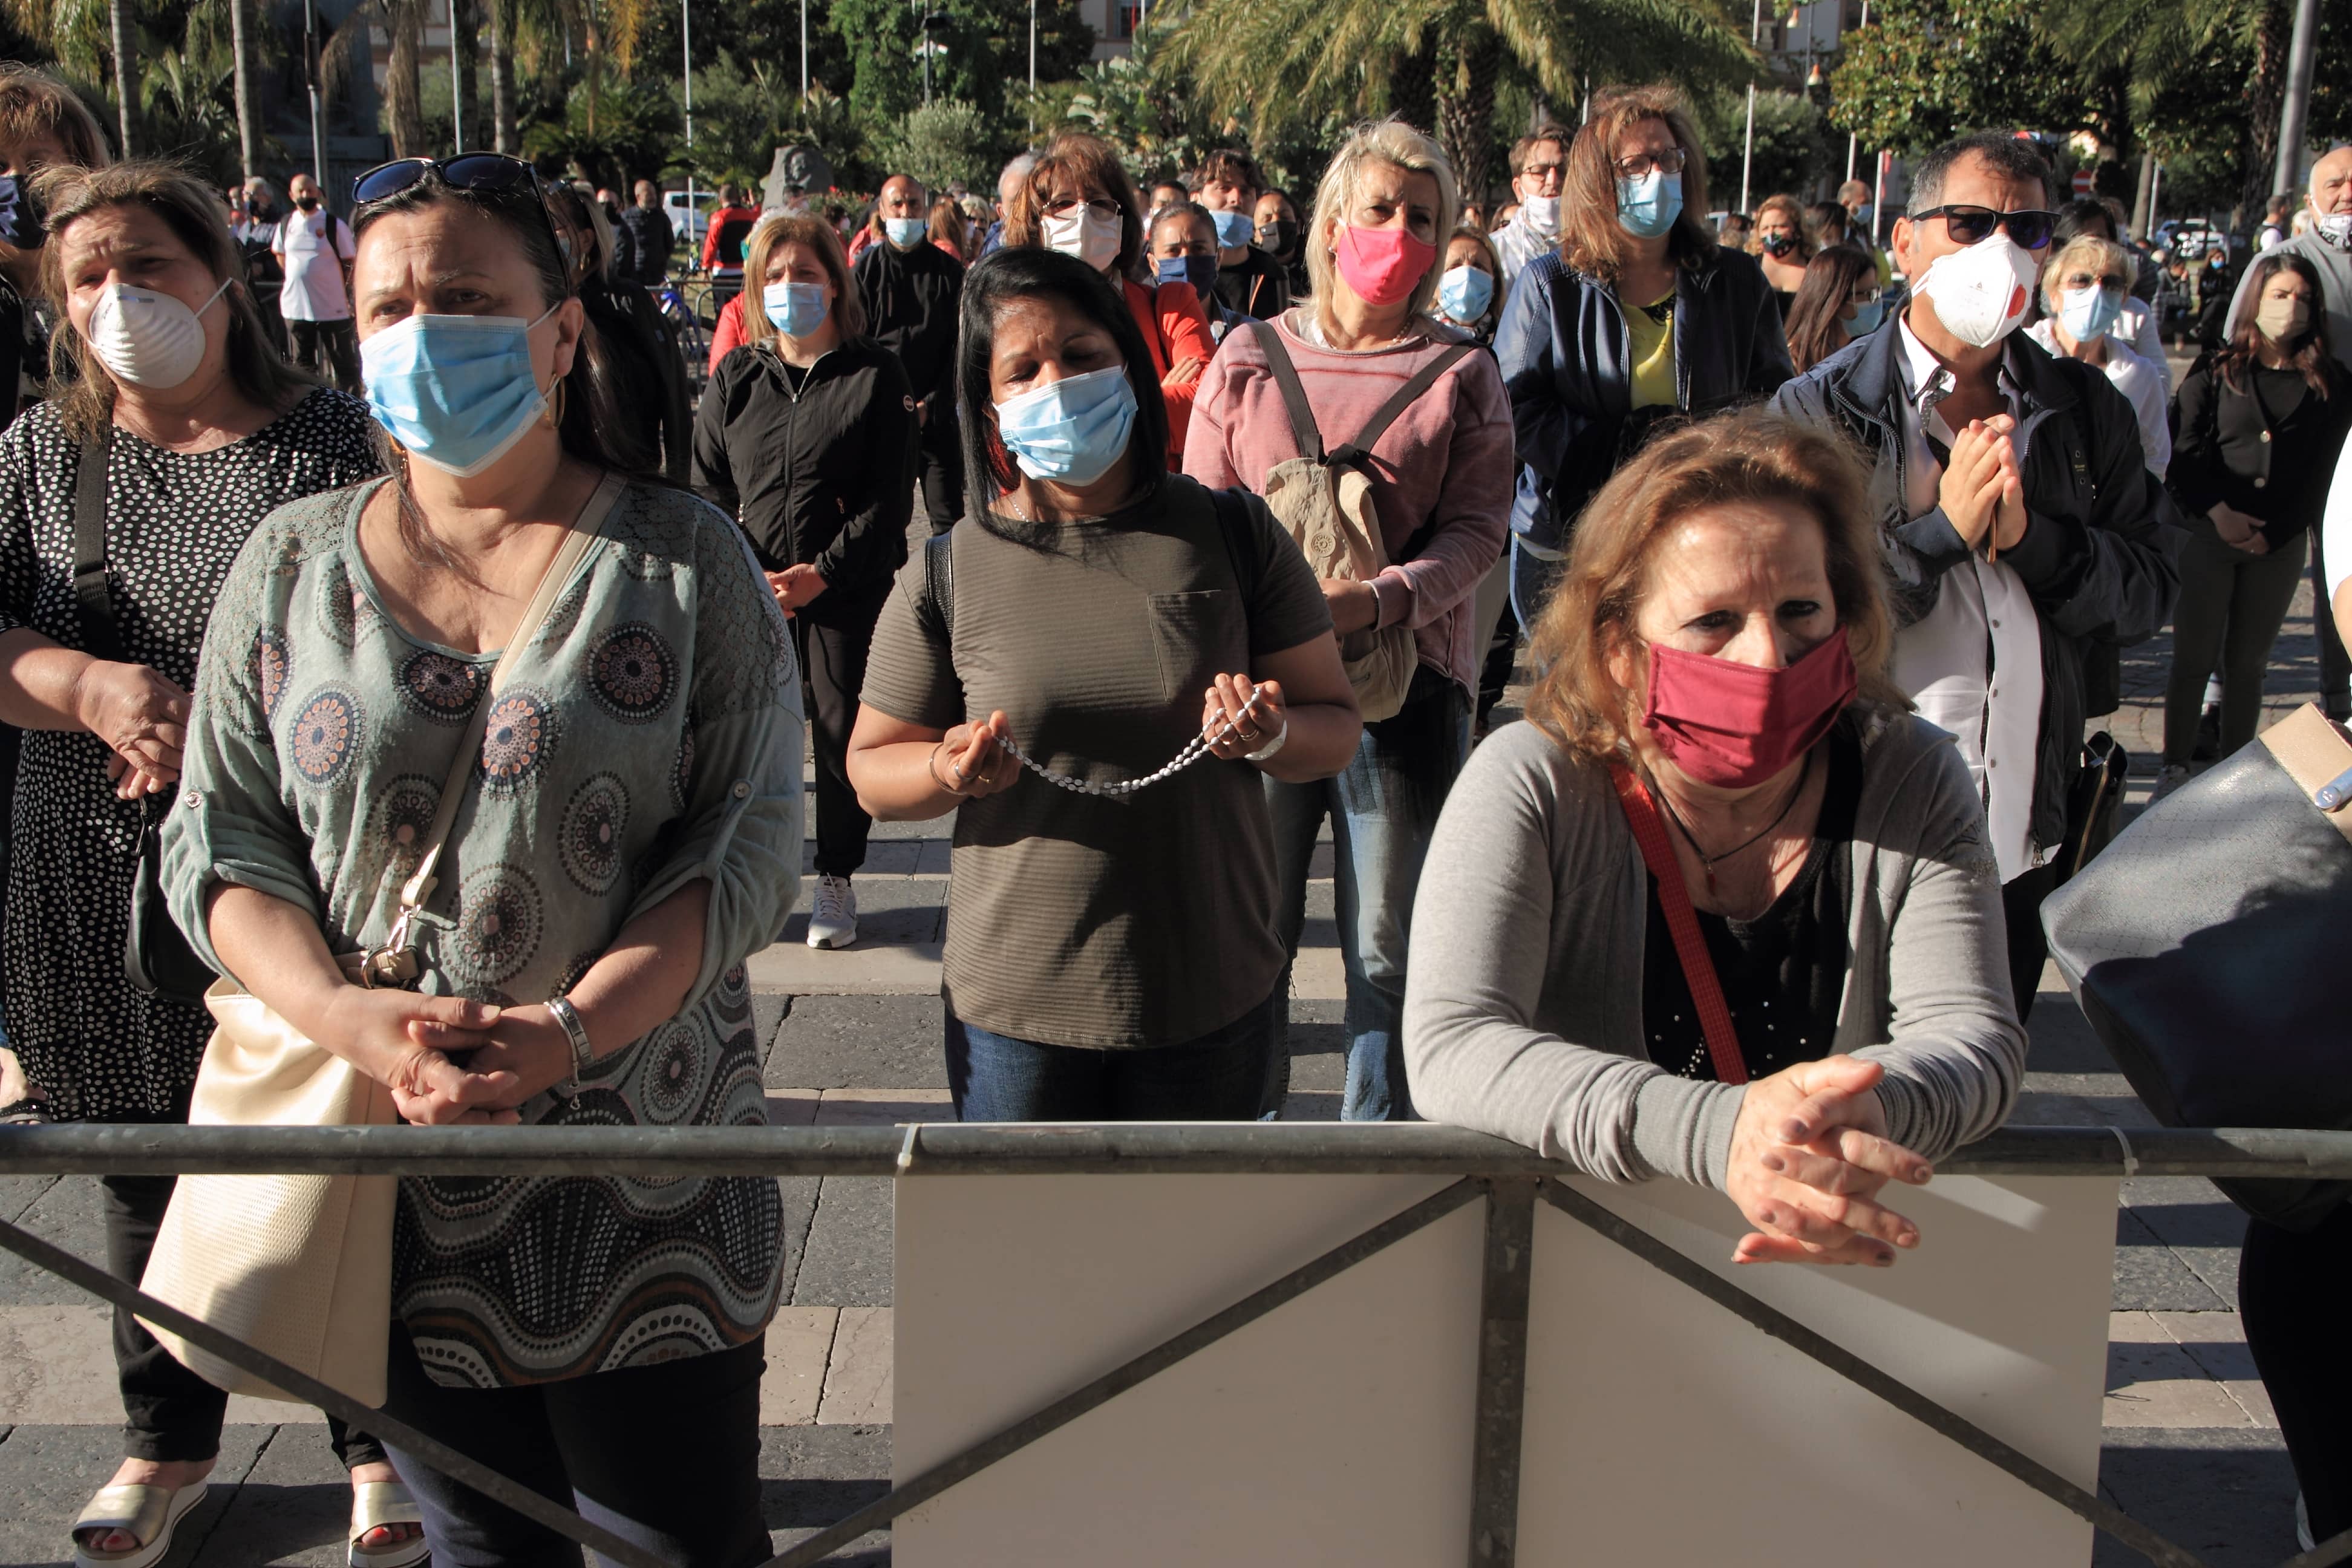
2142,388
1973,664
1516,243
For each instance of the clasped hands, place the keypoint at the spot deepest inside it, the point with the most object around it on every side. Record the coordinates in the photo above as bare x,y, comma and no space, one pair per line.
1982,492
1810,1156
795,586
2242,531
448,1060
142,718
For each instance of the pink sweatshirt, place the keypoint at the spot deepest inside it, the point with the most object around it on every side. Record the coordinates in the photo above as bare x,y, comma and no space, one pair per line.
1447,457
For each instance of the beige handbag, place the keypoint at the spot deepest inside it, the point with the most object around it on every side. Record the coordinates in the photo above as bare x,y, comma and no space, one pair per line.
300,1267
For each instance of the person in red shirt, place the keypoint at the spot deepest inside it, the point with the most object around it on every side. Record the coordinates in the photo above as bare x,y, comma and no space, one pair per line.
722,241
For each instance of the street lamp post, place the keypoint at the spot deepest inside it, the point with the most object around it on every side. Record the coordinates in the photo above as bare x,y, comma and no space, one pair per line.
2295,115
456,86
685,30
1747,150
1852,141
310,82
804,50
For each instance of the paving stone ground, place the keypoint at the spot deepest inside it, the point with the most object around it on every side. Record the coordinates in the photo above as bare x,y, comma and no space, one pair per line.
2191,1445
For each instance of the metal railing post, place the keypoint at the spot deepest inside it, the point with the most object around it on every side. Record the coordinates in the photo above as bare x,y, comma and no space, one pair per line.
1502,1371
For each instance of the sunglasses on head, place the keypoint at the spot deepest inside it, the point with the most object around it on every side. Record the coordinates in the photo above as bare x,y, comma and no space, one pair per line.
465,172
2031,228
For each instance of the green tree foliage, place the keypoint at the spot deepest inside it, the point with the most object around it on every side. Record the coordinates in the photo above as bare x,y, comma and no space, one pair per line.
941,141
610,135
1793,145
1927,71
982,58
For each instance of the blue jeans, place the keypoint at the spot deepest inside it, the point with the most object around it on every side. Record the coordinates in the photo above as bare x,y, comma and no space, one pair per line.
1532,581
1384,807
1220,1077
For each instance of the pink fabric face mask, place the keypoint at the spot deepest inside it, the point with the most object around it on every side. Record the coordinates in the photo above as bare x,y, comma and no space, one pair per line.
1383,265
1734,725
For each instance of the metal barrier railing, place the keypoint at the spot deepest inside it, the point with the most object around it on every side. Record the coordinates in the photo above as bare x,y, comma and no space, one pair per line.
1510,1180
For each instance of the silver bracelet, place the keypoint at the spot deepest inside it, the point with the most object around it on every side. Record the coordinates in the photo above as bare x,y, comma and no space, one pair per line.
1265,753
583,1057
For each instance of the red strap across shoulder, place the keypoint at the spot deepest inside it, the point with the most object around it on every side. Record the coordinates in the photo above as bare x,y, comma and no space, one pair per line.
1681,919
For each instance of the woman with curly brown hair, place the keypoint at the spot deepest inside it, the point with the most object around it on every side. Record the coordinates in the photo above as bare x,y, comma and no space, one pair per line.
1723,910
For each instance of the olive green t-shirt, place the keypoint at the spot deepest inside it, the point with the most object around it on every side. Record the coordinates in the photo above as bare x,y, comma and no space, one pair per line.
1105,922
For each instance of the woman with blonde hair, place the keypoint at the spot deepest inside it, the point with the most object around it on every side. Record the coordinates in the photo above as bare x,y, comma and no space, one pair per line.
1437,477
1639,316
2084,286
170,394
807,439
1782,245
1722,910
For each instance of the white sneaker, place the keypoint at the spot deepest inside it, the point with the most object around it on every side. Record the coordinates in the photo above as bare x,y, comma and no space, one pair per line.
833,919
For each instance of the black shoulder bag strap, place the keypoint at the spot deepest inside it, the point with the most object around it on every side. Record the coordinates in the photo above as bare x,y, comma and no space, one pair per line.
101,635
1240,534
939,586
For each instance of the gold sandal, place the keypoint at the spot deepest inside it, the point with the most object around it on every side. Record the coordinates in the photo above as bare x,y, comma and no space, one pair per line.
374,1506
148,1513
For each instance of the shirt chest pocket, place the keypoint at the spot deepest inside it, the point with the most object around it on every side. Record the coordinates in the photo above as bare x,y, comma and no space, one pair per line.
1197,637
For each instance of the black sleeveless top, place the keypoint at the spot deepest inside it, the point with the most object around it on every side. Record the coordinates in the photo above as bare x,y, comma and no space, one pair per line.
1783,973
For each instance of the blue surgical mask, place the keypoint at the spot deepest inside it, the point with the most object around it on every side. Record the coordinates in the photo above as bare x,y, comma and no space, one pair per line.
905,233
1234,229
1648,206
1199,271
795,309
2087,314
1866,318
1073,429
1464,292
456,391
20,216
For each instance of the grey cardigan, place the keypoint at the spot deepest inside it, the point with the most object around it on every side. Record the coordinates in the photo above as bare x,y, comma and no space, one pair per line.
1523,999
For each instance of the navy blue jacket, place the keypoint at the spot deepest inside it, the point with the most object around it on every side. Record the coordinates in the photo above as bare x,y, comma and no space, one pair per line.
1567,364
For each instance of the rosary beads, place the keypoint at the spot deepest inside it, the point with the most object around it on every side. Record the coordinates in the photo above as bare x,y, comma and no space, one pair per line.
1194,750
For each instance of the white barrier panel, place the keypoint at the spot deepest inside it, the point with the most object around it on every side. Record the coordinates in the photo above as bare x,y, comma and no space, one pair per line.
1659,1428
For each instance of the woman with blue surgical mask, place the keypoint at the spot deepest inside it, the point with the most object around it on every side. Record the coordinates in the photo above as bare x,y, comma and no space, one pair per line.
1079,200
1639,317
1093,673
1470,284
590,655
191,429
2084,285
1838,303
806,437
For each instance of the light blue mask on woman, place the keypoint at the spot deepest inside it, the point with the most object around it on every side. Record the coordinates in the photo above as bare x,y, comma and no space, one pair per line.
795,309
1464,292
1866,318
2087,314
456,391
905,233
1648,206
1073,429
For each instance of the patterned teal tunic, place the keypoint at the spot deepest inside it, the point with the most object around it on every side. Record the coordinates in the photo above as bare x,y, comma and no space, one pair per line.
650,736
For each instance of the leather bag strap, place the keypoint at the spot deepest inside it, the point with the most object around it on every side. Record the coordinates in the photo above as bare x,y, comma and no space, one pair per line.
101,635
1681,919
586,529
1359,450
1302,428
2318,758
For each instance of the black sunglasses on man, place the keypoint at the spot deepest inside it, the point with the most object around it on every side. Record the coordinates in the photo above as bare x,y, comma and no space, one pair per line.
1967,224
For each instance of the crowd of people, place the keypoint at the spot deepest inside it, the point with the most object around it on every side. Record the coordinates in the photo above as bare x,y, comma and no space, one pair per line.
1237,508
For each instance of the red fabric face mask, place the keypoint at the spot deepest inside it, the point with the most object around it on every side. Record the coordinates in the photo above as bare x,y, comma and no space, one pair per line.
1733,725
1383,265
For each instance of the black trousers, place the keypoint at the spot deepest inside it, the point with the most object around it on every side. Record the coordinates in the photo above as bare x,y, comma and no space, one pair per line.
939,455
2335,663
328,350
2020,907
2291,1292
170,1412
665,1455
832,671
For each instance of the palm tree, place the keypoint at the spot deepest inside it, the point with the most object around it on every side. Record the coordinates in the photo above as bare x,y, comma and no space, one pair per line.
1436,62
503,138
118,27
248,115
403,96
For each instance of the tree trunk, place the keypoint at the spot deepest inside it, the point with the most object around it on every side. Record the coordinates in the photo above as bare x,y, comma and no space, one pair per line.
502,104
249,113
402,88
2265,94
1466,113
595,42
469,31
1412,85
117,22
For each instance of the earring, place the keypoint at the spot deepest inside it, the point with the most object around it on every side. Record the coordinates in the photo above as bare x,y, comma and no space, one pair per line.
555,415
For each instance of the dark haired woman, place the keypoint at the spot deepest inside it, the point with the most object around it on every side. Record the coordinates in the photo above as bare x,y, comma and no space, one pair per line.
636,336
1838,303
1120,659
2261,422
1714,722
1640,315
630,831
201,429
1079,200
806,440
1783,247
